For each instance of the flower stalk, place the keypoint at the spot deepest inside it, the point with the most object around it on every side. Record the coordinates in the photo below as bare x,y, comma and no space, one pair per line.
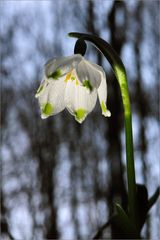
121,76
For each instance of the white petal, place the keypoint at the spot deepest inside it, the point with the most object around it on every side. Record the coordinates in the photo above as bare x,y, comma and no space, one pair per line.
78,101
51,100
89,76
41,87
102,95
56,68
99,68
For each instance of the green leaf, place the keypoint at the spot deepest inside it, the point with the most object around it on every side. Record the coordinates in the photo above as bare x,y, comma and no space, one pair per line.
125,225
142,203
154,198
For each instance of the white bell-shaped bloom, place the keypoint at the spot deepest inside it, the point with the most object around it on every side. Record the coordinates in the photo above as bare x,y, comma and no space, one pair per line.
72,83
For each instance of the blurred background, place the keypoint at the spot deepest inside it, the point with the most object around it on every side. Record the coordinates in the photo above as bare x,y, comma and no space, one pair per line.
60,179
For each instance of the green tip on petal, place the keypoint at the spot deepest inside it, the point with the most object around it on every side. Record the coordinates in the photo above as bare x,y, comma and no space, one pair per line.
105,111
40,89
87,84
80,115
73,78
47,110
55,75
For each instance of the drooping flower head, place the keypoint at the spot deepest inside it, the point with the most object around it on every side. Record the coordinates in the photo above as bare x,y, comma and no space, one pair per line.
72,83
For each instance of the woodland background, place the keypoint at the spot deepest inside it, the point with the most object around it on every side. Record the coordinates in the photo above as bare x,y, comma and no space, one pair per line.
59,178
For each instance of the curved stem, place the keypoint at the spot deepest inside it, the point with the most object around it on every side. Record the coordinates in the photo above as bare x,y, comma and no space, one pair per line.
120,74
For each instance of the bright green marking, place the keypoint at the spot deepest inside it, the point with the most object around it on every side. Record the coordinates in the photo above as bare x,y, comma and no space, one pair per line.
87,84
73,78
39,89
47,109
80,114
55,75
103,107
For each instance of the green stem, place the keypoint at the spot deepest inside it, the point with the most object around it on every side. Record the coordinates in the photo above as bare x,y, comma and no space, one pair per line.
120,73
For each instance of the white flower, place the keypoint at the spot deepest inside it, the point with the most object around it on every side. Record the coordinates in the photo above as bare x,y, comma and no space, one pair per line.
72,83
